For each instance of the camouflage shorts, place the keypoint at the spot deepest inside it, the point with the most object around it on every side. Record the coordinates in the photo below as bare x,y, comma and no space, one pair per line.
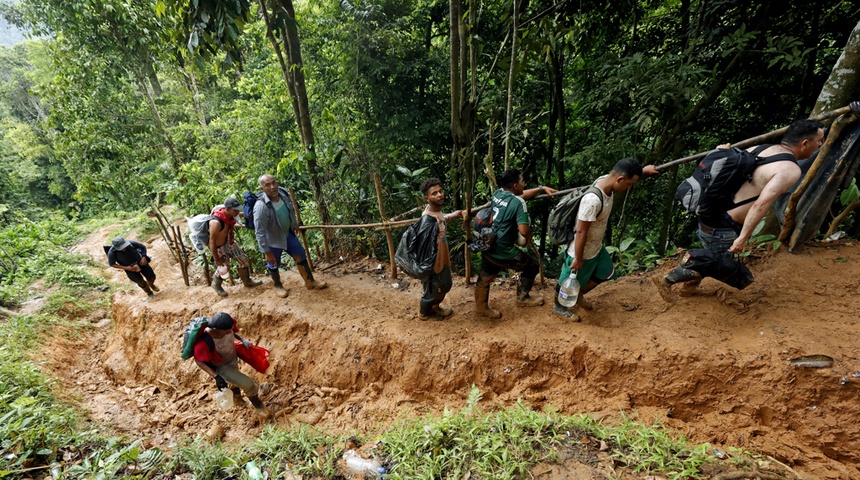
233,251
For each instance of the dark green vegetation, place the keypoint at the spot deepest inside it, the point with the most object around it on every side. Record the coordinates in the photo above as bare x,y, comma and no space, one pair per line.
127,102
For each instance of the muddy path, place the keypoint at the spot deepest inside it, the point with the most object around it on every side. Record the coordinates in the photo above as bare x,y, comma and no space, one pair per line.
356,358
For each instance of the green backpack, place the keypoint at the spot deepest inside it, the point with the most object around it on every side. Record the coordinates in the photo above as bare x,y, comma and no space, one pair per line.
561,225
192,336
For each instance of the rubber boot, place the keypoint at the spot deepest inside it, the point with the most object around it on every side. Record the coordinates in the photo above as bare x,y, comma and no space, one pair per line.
482,298
426,312
216,285
237,397
148,291
152,286
444,312
308,277
276,280
245,276
259,407
524,299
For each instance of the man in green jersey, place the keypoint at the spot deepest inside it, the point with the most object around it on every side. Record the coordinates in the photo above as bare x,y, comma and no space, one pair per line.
511,224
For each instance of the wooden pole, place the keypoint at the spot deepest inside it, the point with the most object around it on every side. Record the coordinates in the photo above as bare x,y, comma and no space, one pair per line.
755,140
302,229
184,260
206,268
183,266
387,228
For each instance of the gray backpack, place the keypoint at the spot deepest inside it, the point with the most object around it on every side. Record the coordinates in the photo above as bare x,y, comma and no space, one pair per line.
561,225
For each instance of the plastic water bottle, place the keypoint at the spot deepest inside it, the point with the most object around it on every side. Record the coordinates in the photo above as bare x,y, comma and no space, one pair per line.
254,472
569,291
224,399
357,465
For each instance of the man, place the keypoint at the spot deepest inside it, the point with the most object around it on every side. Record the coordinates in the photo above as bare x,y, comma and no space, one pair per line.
439,284
585,254
510,222
223,245
218,358
275,225
730,230
130,256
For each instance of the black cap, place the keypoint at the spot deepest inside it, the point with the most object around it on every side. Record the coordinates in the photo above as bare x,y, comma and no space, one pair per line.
221,321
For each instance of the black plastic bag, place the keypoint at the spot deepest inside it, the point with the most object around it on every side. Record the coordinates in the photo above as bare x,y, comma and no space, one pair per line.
720,267
416,253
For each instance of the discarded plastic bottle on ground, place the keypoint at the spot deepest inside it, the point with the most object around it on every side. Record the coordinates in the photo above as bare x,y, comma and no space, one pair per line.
357,465
254,472
569,291
224,399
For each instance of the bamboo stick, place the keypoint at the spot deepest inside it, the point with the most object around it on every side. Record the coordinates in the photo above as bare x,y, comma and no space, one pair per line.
206,268
184,256
388,236
301,229
178,254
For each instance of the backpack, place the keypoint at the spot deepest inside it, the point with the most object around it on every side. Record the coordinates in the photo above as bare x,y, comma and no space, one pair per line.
710,191
248,208
198,230
562,218
192,335
483,231
251,200
416,253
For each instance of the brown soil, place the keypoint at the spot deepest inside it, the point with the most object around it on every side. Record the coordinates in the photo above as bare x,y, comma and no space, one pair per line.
355,357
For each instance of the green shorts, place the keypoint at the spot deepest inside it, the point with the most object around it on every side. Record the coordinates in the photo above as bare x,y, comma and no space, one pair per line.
598,269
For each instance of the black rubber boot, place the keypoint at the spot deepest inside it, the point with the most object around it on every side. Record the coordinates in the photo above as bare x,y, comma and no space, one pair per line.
308,277
524,299
276,280
245,276
216,285
152,286
426,312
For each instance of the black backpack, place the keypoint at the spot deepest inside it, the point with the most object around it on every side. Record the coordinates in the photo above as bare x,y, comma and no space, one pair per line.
561,225
710,191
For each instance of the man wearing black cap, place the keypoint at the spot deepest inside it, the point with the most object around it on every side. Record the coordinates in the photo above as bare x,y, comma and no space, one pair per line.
130,256
224,247
217,357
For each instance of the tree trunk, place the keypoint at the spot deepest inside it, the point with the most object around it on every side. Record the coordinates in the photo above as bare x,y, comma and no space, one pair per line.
844,78
511,71
168,138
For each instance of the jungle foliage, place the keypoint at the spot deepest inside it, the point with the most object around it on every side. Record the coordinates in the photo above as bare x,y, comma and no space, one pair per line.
120,103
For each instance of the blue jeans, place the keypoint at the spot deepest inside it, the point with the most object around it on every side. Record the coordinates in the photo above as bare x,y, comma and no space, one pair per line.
294,249
719,240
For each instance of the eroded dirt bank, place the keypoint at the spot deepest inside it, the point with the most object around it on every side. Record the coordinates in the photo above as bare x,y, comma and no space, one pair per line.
355,357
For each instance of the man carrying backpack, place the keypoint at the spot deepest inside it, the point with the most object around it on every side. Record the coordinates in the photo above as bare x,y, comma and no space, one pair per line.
216,355
585,254
439,283
275,225
728,226
223,245
510,220
130,256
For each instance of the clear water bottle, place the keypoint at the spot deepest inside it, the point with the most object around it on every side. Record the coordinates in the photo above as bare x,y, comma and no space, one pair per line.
224,399
254,472
361,466
569,291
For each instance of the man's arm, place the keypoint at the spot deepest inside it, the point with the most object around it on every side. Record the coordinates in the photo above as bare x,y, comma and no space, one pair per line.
582,228
533,192
214,229
261,218
777,185
526,231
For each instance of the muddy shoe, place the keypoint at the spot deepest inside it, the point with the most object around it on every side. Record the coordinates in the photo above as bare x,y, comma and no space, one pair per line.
663,289
693,289
564,312
443,312
584,304
431,316
153,287
237,398
526,300
260,408
730,301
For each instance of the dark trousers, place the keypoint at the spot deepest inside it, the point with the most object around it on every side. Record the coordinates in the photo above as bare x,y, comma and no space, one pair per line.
138,277
524,263
435,289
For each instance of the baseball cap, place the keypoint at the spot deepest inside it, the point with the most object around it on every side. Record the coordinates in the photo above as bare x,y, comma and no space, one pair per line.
231,202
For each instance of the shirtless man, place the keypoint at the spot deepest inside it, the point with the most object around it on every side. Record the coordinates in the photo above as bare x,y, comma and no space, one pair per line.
224,247
730,231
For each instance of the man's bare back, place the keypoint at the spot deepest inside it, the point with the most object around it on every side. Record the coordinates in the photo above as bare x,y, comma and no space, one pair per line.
768,183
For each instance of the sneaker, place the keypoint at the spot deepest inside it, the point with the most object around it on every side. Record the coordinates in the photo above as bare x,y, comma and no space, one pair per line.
444,312
432,316
663,289
564,312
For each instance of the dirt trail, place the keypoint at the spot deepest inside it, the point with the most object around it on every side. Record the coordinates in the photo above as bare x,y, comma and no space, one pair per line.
356,357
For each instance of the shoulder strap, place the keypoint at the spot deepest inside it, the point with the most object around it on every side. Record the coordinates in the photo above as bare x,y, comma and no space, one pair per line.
595,190
779,157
